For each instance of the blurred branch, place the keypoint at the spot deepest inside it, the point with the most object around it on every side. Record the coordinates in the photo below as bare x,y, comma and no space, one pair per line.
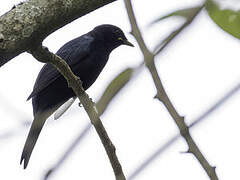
16,131
168,39
195,122
187,13
16,111
162,95
69,150
22,119
113,88
43,55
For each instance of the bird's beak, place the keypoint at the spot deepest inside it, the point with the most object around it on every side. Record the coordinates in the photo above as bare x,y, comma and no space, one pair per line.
126,42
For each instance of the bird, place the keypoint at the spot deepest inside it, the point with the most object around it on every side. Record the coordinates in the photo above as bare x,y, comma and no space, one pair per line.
86,55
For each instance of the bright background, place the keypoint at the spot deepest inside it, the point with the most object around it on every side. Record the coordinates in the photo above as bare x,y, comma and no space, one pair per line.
197,69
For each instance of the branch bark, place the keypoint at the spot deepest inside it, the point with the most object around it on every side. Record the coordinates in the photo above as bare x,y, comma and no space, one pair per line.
30,22
43,55
162,95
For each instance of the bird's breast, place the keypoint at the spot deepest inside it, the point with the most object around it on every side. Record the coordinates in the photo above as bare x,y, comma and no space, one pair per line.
89,70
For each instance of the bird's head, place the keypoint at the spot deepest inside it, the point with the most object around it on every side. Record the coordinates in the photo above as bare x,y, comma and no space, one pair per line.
111,36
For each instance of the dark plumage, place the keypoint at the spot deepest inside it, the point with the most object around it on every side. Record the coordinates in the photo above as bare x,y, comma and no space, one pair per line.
87,56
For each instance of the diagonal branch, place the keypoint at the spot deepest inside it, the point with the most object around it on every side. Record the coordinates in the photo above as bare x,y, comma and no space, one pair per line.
169,38
193,124
162,95
42,54
30,22
110,92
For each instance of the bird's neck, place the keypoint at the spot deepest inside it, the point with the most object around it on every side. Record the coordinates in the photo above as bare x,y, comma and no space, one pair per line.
101,43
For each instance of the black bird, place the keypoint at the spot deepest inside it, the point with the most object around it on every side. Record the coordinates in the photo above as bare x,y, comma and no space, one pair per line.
87,56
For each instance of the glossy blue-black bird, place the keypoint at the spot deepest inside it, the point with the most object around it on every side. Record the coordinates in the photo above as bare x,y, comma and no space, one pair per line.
87,56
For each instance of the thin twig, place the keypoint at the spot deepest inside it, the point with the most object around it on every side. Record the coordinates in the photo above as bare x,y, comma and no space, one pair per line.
109,93
169,38
173,139
42,54
162,96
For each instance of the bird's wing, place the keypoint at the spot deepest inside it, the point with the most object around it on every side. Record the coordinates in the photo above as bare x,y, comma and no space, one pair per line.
73,52
62,109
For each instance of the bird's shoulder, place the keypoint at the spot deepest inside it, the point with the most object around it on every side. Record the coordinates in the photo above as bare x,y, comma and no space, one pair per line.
76,48
74,51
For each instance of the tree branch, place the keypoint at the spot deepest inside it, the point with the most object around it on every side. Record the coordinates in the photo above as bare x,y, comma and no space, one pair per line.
162,95
193,124
29,23
160,47
109,93
42,54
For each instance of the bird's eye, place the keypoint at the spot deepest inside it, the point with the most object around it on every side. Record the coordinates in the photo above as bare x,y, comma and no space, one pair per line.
120,39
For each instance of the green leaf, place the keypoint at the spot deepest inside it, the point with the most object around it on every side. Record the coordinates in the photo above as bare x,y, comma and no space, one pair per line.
227,19
187,13
113,88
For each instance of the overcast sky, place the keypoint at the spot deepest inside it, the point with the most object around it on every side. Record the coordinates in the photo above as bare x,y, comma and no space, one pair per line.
197,68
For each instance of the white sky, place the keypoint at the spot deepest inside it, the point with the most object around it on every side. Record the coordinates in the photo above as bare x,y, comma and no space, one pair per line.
198,68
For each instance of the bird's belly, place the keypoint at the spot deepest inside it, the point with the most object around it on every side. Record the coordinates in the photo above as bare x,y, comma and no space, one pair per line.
89,73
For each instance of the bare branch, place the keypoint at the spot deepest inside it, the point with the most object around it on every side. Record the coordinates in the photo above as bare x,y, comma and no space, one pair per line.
173,139
162,95
166,41
29,23
110,92
42,54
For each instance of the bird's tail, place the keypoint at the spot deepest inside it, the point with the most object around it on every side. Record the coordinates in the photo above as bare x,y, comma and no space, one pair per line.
37,125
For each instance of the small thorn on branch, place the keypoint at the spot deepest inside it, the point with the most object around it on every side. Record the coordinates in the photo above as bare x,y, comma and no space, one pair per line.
190,151
182,118
159,96
185,152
